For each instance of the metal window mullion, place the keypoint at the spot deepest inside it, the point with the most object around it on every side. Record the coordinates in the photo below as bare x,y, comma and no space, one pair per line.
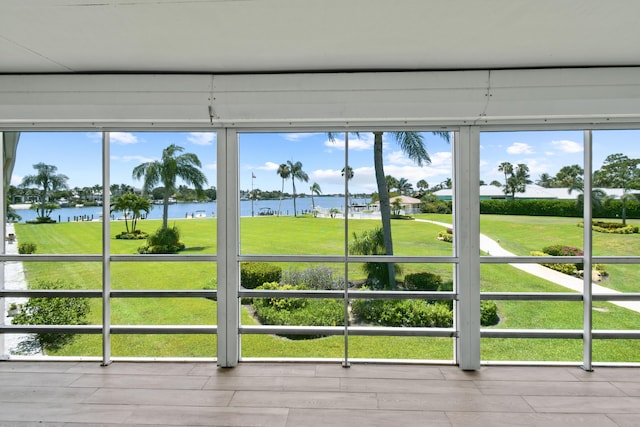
588,252
466,154
106,251
3,221
228,249
345,362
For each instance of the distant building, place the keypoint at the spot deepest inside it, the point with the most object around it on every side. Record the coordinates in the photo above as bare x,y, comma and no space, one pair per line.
409,205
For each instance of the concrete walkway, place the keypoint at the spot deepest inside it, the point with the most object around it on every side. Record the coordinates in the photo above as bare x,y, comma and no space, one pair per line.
13,279
493,248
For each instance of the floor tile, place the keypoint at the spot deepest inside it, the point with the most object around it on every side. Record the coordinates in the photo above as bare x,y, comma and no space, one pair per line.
285,399
585,404
548,388
467,402
502,419
209,416
365,417
141,381
161,397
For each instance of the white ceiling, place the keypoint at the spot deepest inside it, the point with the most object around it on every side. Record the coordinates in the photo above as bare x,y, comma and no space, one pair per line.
231,36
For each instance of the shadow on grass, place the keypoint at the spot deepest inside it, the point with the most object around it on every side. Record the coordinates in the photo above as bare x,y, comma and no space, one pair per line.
196,249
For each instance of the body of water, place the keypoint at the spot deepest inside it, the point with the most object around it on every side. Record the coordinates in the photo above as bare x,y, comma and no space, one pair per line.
183,210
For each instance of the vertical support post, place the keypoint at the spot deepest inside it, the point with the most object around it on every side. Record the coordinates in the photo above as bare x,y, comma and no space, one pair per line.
228,249
587,290
3,221
345,362
466,200
106,251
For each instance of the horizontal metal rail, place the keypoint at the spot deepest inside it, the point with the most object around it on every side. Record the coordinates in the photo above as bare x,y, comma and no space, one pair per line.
337,294
315,294
114,258
349,258
39,293
558,259
163,258
48,293
52,258
530,296
211,294
318,330
627,296
558,333
531,333
531,259
163,329
115,329
353,331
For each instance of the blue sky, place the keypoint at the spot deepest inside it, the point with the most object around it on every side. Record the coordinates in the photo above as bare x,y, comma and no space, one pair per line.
78,154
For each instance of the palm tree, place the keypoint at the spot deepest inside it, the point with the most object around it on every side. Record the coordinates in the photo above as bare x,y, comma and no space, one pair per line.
404,186
391,182
412,145
507,169
48,181
296,173
133,204
315,189
166,170
285,173
348,172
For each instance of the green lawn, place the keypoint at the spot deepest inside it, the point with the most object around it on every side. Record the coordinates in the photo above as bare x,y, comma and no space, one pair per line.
286,235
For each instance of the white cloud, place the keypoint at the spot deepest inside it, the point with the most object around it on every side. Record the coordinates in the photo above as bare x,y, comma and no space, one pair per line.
520,148
138,159
268,166
201,138
123,138
211,166
567,146
16,180
297,136
365,142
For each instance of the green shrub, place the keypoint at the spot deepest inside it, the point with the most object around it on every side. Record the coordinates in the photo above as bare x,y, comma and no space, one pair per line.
570,269
438,206
163,241
423,282
446,236
489,313
50,311
254,274
563,250
611,227
135,235
26,248
320,278
371,242
297,311
403,313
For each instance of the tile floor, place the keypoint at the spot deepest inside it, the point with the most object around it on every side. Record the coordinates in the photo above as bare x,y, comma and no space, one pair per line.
287,394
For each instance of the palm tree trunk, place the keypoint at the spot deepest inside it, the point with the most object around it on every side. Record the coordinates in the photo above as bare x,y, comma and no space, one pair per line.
165,211
281,193
126,222
383,196
293,182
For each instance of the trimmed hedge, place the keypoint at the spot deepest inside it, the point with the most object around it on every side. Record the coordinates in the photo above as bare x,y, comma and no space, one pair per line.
403,313
254,274
297,311
566,208
611,227
423,282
